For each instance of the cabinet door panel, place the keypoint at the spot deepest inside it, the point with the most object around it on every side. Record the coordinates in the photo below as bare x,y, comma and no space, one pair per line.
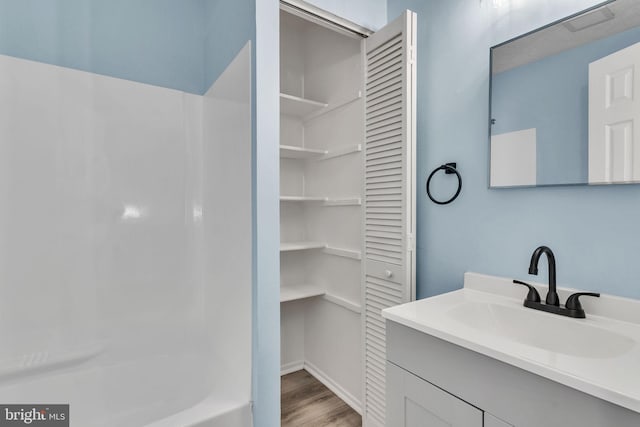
414,402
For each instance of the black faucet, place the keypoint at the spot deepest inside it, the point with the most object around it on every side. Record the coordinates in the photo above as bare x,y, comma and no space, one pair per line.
552,295
573,308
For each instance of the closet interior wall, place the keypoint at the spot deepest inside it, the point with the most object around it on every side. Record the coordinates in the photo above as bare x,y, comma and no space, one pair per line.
321,204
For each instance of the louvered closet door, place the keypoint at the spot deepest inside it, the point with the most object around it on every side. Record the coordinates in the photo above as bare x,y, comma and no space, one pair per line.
389,213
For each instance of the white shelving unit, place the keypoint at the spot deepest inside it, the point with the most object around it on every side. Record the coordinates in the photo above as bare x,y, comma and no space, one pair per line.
321,187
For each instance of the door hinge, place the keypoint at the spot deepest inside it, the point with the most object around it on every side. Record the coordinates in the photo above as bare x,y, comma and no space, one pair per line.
411,242
412,55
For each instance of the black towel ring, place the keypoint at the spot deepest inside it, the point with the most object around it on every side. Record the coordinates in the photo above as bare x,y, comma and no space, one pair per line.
449,168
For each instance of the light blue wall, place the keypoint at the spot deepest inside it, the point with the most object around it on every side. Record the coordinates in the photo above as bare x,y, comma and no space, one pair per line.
150,41
266,158
593,230
227,27
370,14
552,95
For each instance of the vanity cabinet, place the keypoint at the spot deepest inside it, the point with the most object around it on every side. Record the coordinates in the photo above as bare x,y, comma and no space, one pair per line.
432,382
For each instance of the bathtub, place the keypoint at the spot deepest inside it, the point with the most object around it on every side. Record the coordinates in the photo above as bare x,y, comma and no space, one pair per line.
160,391
211,412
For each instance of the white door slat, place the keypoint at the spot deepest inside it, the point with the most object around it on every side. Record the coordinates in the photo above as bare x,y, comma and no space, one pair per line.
393,118
384,83
384,115
383,169
392,106
385,145
386,92
392,193
391,46
390,50
390,224
395,159
383,74
375,107
382,62
381,290
382,183
386,136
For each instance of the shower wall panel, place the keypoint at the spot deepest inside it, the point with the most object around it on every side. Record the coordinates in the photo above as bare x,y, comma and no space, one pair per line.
116,273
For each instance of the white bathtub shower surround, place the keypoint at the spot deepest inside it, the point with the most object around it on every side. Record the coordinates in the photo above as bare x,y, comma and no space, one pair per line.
125,236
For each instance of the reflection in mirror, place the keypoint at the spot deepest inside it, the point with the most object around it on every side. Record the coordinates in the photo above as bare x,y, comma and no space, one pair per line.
565,101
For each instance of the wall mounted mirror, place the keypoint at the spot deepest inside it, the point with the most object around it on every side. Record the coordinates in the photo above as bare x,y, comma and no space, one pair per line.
565,101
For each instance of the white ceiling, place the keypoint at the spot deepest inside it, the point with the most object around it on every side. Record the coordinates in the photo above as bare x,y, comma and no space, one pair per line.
558,38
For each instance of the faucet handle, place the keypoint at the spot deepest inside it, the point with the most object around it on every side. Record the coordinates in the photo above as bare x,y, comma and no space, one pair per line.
533,295
573,302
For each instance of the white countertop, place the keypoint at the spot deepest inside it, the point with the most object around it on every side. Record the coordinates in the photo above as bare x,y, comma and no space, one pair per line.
599,355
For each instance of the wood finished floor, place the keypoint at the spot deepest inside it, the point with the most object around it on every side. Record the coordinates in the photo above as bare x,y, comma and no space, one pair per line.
306,402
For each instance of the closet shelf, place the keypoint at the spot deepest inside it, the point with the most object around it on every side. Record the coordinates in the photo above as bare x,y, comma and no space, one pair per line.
343,302
326,201
342,151
341,252
347,201
298,292
302,199
299,107
293,152
334,106
301,246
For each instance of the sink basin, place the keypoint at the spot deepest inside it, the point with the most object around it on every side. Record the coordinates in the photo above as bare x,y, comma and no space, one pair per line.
545,331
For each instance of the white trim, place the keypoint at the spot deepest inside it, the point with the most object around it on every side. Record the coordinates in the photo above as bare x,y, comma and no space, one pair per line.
344,303
295,366
322,17
343,394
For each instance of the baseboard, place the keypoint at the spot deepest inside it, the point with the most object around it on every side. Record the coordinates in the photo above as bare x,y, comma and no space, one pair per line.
348,398
290,367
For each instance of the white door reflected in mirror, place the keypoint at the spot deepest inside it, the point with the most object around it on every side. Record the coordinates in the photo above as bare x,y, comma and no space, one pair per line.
614,113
